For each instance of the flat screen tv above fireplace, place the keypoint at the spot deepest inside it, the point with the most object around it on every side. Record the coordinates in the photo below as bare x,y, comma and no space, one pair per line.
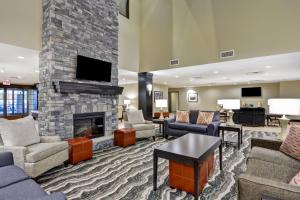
251,92
93,69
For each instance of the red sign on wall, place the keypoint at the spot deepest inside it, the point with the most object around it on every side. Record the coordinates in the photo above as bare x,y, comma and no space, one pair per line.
6,82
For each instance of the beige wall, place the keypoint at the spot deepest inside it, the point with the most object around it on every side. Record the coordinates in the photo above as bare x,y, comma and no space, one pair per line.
156,34
208,96
21,23
129,38
290,89
257,27
194,37
131,92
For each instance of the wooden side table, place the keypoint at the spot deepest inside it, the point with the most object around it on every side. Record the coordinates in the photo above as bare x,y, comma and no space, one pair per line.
161,123
234,128
80,149
124,137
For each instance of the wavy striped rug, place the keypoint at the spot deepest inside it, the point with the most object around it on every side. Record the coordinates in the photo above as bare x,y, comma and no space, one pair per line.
118,173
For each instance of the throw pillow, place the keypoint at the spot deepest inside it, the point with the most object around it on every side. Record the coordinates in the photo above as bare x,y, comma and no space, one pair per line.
135,117
205,118
291,145
182,116
19,132
295,180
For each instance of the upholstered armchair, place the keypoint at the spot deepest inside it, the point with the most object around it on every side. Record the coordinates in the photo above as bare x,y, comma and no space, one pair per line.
268,172
135,119
33,153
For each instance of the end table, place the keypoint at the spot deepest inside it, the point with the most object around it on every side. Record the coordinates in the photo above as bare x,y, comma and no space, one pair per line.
80,149
234,128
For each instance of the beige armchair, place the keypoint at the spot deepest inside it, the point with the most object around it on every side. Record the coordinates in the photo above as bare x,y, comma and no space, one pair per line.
33,153
135,119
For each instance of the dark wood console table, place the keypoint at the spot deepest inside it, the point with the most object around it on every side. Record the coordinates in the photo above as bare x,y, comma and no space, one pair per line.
250,116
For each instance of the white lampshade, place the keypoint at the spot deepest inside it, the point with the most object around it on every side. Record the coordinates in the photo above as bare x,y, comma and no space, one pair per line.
230,104
161,103
127,101
284,106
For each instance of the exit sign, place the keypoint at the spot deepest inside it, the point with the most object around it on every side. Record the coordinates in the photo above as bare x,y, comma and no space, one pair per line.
6,82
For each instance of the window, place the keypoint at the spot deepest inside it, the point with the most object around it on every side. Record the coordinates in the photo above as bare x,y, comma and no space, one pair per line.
17,101
1,102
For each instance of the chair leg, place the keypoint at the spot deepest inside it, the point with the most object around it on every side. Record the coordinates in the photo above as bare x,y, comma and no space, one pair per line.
66,163
153,138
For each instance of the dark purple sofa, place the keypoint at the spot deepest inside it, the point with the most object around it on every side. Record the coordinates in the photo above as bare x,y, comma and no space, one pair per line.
173,128
16,185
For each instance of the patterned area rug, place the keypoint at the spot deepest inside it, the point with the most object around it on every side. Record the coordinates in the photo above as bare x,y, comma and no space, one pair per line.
126,174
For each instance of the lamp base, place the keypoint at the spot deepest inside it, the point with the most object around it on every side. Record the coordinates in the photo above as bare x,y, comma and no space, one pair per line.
229,118
283,125
161,114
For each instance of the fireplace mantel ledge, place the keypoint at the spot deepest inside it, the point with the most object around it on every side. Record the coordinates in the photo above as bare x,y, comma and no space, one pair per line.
87,88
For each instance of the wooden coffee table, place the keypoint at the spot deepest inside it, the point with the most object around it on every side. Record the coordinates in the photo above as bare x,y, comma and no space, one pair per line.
192,151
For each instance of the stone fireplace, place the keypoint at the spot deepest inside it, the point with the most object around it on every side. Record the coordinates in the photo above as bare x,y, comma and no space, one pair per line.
71,28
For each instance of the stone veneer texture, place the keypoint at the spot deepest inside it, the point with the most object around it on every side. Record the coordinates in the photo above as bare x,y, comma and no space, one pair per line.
71,28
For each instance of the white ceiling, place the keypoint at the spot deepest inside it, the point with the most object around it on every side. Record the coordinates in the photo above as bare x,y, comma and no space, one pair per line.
266,69
283,67
20,70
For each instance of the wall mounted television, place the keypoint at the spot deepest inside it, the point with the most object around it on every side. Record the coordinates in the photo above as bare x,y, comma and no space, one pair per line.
93,69
251,92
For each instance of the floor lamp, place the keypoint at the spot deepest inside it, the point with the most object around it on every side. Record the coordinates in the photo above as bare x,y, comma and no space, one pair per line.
284,107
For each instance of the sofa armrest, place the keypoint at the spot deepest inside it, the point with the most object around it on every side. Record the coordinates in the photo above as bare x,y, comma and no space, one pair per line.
50,139
268,143
212,128
53,196
258,186
168,121
18,154
6,158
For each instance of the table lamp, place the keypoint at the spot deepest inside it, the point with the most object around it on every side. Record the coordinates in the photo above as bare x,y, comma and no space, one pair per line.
284,107
127,102
230,104
161,103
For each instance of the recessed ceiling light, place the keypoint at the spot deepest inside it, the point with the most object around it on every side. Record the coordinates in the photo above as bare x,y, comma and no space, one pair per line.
216,72
268,67
176,76
2,71
123,79
19,77
21,57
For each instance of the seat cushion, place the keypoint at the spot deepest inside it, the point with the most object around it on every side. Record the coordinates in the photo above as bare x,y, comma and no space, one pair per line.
142,127
273,156
11,174
40,151
178,125
291,145
25,190
197,128
295,180
21,132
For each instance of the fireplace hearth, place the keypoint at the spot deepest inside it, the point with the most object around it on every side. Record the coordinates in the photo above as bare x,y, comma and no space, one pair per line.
89,125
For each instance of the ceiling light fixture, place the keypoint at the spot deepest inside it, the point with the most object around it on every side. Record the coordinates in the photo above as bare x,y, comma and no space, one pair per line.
21,57
216,72
268,67
2,71
19,77
176,76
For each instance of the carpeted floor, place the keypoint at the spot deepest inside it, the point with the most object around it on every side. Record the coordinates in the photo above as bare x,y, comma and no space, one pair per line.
118,173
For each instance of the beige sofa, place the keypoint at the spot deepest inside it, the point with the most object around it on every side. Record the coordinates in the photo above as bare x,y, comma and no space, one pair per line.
33,153
268,173
135,119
